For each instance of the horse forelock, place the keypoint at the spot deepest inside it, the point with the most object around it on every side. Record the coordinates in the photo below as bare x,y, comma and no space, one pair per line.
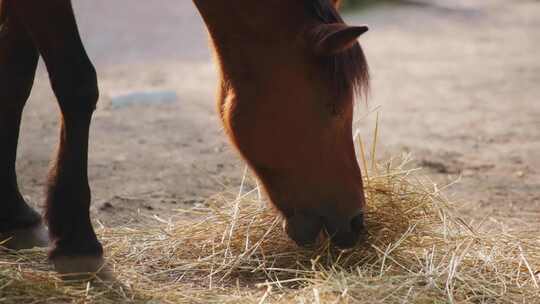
349,69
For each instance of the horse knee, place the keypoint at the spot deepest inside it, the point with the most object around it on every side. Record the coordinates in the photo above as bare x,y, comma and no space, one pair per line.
15,87
18,62
76,89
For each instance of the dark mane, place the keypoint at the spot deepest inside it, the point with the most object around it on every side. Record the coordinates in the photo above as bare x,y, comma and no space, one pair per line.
349,69
3,14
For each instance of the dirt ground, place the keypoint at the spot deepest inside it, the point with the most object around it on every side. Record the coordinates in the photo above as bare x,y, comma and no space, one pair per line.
456,83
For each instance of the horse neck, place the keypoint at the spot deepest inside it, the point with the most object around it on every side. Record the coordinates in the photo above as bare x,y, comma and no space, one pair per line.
242,40
251,20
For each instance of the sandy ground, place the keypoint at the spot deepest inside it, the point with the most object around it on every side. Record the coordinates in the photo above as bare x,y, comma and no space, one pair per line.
457,84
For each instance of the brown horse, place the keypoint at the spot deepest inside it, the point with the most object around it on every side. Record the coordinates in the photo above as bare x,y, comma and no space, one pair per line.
290,70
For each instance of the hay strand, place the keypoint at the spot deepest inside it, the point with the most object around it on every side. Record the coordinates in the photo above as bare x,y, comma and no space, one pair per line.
234,250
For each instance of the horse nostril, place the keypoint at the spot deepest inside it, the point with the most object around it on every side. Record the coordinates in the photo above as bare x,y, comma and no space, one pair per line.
345,232
357,223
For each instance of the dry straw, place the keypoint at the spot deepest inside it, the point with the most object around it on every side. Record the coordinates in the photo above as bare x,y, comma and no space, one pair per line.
234,250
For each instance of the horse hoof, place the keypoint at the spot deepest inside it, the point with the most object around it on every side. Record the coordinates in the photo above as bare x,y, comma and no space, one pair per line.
27,238
82,268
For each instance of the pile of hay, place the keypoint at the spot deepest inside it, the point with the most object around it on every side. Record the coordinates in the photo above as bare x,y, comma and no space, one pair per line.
234,250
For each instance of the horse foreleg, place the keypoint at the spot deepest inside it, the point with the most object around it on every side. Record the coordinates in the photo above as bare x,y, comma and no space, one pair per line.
75,247
20,225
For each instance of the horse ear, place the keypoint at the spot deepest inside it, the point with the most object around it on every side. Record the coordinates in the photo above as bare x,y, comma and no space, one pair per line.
329,39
